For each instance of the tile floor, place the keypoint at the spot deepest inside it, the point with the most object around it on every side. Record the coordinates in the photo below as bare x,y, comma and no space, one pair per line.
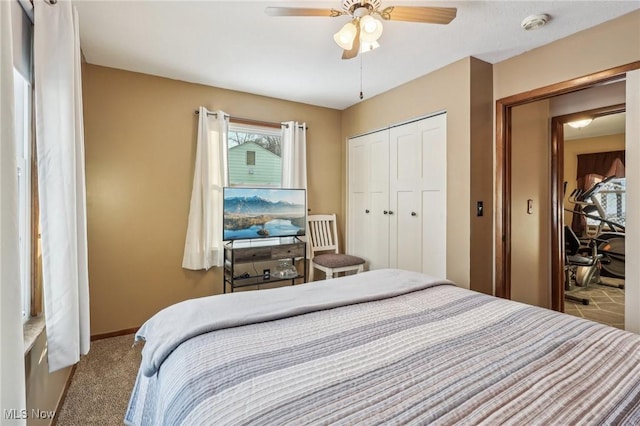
606,304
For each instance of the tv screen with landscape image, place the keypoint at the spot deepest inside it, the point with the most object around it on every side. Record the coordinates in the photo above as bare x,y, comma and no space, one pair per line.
263,213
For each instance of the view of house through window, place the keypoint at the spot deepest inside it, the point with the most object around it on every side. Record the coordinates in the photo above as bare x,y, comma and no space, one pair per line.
254,156
22,90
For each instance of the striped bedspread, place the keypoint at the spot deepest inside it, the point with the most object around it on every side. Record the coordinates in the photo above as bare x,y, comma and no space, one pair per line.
441,355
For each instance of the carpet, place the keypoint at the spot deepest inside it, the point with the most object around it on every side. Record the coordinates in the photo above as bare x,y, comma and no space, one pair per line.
101,386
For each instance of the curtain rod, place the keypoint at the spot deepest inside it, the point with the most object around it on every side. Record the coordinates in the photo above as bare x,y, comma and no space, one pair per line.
251,121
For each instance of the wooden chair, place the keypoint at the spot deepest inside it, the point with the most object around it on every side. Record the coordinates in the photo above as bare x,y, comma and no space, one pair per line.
323,237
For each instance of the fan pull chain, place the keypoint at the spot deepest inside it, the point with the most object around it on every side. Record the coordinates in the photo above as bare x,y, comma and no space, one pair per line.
361,95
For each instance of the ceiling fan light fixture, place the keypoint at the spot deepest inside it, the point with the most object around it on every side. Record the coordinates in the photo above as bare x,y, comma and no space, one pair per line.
367,18
344,38
368,46
370,28
579,124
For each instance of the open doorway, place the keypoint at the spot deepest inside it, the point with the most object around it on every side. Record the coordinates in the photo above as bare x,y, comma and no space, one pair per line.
592,147
503,204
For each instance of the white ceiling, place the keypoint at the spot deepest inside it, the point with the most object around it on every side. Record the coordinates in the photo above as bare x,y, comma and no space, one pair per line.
601,126
235,45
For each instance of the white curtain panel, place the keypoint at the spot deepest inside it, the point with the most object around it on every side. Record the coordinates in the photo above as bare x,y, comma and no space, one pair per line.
61,181
294,155
203,246
12,374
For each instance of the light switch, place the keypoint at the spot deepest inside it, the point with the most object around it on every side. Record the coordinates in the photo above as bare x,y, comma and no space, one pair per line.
530,206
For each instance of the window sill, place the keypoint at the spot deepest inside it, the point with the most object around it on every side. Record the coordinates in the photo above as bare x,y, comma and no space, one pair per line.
32,329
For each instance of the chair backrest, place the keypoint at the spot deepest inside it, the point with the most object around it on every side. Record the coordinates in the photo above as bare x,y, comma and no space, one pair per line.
323,234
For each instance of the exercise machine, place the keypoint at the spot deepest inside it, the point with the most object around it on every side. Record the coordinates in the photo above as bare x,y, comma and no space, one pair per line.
581,268
603,205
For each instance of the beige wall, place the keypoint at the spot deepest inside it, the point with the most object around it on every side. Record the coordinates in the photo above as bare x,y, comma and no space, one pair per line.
448,89
530,157
481,176
140,134
575,147
43,389
605,46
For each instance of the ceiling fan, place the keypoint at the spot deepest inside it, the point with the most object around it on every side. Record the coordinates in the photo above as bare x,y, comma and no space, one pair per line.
362,32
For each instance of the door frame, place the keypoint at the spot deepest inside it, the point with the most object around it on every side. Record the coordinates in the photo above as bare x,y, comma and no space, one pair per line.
557,189
502,240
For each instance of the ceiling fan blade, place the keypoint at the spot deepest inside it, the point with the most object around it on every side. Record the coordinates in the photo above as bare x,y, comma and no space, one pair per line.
429,15
353,52
301,11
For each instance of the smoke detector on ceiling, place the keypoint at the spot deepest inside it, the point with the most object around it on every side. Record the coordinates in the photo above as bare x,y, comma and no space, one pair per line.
534,21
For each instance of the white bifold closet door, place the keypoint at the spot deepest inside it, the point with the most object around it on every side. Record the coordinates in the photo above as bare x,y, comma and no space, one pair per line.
397,197
418,197
368,226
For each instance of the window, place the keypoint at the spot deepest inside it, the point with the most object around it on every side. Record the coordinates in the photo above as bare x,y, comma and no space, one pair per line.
611,203
22,89
251,158
254,156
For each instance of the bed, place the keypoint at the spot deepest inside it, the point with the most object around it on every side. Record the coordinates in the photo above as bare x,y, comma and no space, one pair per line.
382,347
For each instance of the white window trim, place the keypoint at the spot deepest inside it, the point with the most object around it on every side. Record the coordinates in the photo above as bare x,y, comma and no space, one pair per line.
24,181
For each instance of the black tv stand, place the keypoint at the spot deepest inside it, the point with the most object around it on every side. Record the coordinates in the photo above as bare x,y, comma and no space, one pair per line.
270,250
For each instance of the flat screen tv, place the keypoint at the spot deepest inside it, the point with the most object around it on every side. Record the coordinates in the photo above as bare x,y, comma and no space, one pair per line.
251,213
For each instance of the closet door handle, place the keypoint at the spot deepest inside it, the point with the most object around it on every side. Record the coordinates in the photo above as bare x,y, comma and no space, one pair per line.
390,212
366,211
414,214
